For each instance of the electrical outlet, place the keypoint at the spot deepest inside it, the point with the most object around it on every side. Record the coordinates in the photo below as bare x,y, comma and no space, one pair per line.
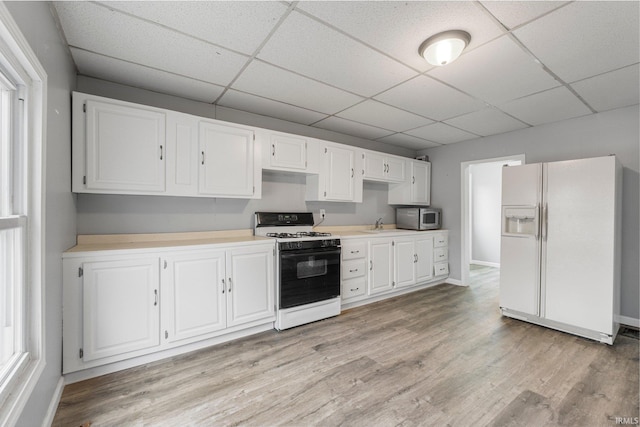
322,213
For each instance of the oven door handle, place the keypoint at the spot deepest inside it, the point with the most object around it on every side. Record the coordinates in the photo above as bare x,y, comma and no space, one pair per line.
308,252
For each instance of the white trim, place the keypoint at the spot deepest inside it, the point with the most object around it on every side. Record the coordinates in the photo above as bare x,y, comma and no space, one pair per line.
485,263
53,405
16,47
456,282
628,321
465,229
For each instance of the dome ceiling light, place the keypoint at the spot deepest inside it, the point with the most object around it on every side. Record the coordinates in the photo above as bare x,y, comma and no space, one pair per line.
444,48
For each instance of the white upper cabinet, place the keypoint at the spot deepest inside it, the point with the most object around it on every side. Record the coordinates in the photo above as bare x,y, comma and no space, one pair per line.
226,160
125,148
284,152
182,154
337,180
381,167
416,188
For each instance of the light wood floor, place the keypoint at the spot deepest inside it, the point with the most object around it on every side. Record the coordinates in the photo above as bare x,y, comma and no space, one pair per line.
441,356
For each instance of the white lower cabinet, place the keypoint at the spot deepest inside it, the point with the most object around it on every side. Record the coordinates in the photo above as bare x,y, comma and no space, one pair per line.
193,294
380,266
393,264
121,311
112,302
354,270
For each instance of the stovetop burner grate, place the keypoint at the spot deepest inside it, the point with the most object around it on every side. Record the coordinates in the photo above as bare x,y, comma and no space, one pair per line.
298,235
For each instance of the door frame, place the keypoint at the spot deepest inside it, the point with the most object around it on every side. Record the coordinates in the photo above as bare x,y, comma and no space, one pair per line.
465,217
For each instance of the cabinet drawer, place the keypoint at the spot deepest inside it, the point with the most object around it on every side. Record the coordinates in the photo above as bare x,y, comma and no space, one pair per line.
441,269
355,268
354,250
440,254
441,240
354,287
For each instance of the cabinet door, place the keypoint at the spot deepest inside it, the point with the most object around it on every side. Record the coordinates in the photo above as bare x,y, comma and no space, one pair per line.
421,183
288,152
340,173
395,169
250,284
120,307
226,160
380,266
182,154
193,295
405,262
125,148
424,258
374,166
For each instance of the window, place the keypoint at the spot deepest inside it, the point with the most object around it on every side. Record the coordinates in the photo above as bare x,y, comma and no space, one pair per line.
22,115
12,229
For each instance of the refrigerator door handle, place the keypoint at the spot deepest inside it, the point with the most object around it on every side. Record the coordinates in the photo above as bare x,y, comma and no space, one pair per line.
537,213
545,222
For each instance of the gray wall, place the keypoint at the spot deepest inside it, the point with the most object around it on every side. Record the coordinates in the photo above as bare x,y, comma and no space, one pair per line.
613,132
37,24
486,189
108,214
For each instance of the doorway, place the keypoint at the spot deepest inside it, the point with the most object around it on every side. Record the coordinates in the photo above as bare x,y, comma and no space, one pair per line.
481,204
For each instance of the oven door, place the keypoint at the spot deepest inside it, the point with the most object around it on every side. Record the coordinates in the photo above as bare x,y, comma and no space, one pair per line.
309,275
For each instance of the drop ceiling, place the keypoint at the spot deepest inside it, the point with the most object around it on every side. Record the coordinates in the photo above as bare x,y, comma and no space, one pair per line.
353,67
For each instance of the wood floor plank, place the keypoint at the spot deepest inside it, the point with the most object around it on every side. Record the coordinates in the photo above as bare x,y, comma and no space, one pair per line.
440,356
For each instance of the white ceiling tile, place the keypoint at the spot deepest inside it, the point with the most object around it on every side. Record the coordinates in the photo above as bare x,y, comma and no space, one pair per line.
515,13
489,121
586,38
442,133
280,85
377,114
398,28
408,141
236,25
305,46
607,91
430,98
496,72
352,128
97,29
266,107
546,107
110,69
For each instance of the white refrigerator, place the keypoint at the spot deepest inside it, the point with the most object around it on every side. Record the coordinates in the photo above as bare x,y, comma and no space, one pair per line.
560,245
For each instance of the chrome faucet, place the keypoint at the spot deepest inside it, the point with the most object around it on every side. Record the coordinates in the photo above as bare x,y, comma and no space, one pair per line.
378,225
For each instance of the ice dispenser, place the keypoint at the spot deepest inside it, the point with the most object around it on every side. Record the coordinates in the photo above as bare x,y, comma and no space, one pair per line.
520,221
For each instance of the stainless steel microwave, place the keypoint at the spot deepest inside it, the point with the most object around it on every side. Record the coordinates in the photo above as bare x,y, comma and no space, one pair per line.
419,218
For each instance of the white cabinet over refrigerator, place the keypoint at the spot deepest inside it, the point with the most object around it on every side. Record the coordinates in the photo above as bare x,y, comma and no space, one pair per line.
560,245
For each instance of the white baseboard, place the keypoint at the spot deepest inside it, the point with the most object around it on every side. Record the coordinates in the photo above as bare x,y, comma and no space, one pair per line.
629,321
485,263
53,405
454,282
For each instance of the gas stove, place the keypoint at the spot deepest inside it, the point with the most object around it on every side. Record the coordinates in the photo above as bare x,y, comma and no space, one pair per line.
308,268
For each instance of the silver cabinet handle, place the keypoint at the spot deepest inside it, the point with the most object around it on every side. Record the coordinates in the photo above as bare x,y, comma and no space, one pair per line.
203,157
413,181
229,284
353,271
273,149
155,297
223,286
370,265
161,152
355,252
545,222
351,172
353,290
